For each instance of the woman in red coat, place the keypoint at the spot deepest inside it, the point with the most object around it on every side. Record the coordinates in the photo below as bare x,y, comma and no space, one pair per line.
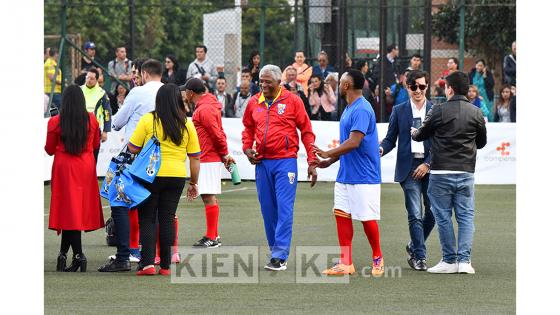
75,204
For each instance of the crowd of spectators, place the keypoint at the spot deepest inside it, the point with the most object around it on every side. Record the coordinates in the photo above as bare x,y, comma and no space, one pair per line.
317,85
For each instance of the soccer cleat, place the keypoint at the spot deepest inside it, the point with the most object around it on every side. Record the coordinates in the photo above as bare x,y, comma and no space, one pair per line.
443,267
339,270
176,258
115,266
147,271
465,267
276,264
378,267
206,242
165,272
135,255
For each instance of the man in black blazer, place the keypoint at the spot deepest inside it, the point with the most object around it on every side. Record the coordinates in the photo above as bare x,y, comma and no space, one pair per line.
413,164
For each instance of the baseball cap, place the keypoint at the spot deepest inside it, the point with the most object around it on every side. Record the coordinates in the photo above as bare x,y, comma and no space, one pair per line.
89,45
193,84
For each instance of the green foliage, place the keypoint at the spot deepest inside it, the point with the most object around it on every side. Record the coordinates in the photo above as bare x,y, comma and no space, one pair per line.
170,27
489,30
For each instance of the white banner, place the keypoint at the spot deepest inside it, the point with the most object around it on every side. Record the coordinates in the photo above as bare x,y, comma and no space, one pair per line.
495,162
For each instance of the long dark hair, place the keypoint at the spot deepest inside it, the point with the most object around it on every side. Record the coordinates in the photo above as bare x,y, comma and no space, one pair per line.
321,87
251,56
74,120
175,62
171,113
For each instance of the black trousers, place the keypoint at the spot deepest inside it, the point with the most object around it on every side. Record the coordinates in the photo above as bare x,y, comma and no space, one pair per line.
160,209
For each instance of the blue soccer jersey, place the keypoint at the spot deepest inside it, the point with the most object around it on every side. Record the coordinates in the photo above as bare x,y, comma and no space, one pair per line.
361,165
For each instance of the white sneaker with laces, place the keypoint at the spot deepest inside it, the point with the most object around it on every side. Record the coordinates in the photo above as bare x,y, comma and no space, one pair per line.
443,267
466,267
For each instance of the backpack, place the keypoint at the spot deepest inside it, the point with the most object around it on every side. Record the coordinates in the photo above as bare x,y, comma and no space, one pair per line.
110,229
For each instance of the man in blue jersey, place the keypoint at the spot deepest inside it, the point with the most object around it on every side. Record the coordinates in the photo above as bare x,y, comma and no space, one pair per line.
358,184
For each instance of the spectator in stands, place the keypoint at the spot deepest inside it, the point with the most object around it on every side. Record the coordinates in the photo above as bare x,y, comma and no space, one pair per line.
376,104
46,55
322,99
254,67
484,80
303,71
323,68
49,70
399,94
415,62
452,66
474,97
97,102
75,205
363,66
246,76
87,62
172,72
202,67
347,62
509,66
117,98
237,106
391,70
223,97
291,77
332,80
504,109
120,68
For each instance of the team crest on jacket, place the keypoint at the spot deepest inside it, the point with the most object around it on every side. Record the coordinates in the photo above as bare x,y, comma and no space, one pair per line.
281,109
292,177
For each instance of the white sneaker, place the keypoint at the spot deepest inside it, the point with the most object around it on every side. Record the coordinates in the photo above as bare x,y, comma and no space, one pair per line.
466,267
131,258
443,267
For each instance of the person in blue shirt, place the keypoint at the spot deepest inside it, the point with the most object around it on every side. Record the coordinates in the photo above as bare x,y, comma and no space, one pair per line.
399,94
358,183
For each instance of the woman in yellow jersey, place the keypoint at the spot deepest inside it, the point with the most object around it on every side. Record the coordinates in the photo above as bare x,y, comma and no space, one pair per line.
178,139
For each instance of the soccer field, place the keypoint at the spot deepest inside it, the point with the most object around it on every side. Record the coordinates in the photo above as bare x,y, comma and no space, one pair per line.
490,291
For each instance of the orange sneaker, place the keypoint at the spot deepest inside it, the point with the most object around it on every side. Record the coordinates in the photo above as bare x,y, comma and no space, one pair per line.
378,267
340,269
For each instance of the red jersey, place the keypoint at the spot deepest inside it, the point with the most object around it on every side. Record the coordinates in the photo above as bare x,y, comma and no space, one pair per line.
207,119
274,127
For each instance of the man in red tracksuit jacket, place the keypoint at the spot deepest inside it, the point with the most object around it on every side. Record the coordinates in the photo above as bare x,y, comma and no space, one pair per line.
272,119
207,119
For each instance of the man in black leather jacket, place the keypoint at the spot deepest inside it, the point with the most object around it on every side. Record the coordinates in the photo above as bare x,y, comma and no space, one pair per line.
457,129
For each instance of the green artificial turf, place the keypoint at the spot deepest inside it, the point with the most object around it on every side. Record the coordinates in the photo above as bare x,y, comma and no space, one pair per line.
490,291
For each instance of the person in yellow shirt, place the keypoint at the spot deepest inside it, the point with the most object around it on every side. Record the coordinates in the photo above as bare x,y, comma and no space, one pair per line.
49,69
178,139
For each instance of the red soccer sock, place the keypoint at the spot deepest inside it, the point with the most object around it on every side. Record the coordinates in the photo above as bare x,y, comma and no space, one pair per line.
134,228
212,213
372,232
157,241
176,241
345,233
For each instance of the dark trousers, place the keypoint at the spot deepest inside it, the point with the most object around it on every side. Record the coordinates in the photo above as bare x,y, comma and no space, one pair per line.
160,209
122,227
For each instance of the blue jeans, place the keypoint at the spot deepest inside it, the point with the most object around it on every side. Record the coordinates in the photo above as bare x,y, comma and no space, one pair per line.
419,227
122,226
276,182
448,192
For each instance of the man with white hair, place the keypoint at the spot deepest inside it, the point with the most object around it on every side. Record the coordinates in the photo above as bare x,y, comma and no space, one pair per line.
272,120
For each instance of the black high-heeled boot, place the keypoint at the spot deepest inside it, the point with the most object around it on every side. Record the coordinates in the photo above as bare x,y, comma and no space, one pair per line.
61,262
79,261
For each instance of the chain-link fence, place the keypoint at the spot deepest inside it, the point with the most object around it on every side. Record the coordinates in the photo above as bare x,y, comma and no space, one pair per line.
233,29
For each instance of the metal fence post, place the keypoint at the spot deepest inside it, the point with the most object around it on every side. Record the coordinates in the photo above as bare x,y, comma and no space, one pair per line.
428,41
381,59
462,35
131,30
60,51
261,31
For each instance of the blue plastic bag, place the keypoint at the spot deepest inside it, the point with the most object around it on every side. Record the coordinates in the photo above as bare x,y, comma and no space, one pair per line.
147,163
125,191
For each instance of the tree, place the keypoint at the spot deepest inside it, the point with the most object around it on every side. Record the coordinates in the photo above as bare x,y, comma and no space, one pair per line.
489,30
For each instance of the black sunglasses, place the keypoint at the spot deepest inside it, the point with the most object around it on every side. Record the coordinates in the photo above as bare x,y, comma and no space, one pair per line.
413,87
